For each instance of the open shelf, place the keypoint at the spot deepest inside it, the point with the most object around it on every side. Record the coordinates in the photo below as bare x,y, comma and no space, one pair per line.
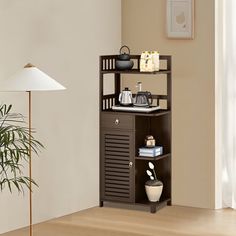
154,206
153,158
155,113
146,202
135,71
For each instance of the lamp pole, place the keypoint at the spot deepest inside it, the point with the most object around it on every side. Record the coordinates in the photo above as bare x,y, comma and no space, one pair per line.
30,169
30,161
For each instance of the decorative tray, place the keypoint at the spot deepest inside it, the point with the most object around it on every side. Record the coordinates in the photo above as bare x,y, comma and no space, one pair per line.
135,109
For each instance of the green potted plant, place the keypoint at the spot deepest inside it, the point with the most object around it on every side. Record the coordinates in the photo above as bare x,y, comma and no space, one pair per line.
15,145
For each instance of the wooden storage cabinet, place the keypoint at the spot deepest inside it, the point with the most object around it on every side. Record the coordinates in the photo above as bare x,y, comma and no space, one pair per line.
122,171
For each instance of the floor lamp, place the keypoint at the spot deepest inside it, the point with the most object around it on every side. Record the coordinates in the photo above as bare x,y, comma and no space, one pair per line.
30,79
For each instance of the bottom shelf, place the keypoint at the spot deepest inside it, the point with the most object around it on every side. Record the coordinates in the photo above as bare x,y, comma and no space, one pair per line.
153,206
147,203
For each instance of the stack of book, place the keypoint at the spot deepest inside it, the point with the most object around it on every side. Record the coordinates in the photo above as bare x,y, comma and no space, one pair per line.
151,152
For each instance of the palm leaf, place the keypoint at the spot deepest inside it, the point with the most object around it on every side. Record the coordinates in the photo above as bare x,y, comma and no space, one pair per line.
15,144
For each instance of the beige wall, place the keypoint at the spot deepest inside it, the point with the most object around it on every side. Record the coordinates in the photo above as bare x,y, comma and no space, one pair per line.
64,38
143,28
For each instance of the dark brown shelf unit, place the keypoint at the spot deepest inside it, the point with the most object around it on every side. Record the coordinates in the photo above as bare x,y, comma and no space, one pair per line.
122,171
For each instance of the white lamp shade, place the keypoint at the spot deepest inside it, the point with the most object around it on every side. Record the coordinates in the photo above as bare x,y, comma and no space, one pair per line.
30,78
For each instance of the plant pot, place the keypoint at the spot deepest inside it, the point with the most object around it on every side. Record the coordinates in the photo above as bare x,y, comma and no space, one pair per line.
153,190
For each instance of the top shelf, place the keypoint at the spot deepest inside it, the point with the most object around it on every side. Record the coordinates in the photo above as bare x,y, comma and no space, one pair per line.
107,65
162,57
135,71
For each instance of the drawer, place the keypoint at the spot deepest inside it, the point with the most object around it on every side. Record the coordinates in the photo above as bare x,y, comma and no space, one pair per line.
117,121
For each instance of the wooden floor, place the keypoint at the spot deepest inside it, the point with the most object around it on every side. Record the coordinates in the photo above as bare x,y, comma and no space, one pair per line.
169,221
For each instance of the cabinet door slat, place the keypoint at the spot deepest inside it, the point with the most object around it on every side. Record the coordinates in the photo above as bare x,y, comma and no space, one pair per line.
117,156
117,141
117,194
117,190
115,165
115,161
114,173
116,182
118,178
120,145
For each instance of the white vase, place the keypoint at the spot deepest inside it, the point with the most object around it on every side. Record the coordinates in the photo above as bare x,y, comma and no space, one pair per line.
154,190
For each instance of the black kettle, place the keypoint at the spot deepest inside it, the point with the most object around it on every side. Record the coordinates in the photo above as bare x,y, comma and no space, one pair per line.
143,99
123,61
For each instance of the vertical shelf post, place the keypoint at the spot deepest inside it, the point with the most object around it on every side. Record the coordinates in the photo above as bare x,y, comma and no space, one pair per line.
117,88
169,87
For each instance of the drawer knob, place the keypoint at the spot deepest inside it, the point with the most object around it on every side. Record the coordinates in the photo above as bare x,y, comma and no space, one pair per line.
130,164
117,121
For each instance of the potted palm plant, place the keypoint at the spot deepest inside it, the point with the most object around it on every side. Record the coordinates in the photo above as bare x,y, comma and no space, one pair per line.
15,143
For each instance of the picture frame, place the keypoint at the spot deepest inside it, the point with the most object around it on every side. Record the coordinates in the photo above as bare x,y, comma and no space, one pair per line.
180,19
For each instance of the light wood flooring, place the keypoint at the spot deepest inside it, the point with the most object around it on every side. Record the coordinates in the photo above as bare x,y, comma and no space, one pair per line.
169,221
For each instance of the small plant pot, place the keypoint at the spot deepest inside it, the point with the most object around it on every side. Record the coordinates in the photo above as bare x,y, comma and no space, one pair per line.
153,190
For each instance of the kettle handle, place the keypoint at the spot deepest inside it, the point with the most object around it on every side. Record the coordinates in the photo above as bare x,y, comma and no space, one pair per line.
131,97
125,47
150,97
119,99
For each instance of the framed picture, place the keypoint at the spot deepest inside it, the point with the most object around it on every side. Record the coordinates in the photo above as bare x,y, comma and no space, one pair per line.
180,19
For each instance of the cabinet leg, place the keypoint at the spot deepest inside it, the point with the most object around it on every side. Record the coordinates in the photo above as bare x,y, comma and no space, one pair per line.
153,208
169,203
101,204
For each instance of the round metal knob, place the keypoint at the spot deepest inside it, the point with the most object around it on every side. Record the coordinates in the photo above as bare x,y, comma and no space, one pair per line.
117,121
130,164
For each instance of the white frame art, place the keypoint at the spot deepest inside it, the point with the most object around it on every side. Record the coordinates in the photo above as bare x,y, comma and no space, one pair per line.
180,19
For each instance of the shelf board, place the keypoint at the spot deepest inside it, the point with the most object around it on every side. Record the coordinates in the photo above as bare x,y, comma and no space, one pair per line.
155,113
135,71
153,158
147,203
144,203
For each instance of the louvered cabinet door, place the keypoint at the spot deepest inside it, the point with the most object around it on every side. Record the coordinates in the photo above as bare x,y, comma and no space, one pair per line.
117,166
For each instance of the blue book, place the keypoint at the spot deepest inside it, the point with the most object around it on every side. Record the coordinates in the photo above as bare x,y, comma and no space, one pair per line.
150,154
153,150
